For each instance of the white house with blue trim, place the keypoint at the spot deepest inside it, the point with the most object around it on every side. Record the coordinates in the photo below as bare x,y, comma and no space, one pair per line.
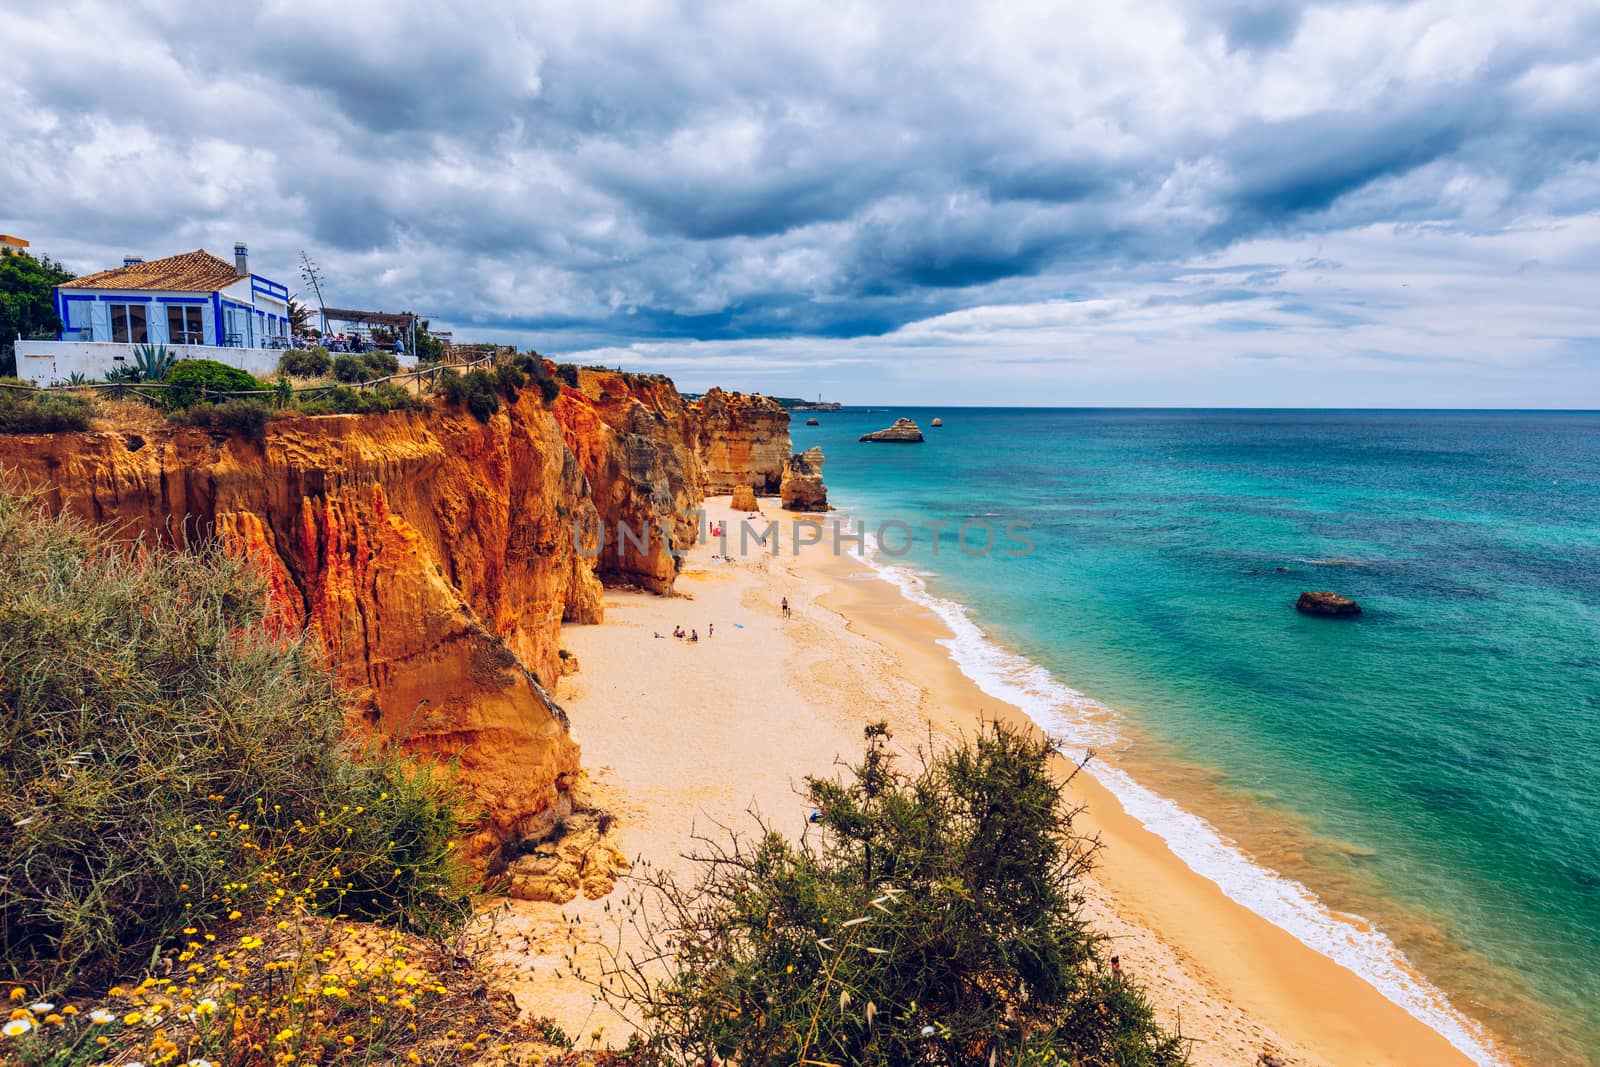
197,304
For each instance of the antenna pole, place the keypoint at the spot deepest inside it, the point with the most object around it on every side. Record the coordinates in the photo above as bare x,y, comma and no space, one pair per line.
313,276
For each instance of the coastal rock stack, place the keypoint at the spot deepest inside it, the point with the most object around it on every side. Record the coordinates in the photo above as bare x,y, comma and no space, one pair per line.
1328,605
802,488
904,431
744,499
936,422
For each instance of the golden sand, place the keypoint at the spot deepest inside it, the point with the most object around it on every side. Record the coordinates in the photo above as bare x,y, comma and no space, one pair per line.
681,737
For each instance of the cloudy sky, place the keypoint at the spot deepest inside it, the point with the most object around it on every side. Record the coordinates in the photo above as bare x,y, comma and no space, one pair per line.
1210,202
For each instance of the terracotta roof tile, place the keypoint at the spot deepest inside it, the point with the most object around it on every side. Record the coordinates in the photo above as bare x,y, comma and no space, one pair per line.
191,272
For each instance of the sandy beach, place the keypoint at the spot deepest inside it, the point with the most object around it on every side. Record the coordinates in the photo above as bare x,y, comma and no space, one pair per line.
679,737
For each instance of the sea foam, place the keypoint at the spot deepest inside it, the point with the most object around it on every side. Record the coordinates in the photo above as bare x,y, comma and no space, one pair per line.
1081,723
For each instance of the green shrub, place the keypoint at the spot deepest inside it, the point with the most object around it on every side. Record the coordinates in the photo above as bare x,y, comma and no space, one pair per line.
931,917
510,377
241,416
532,366
341,400
478,390
311,362
168,757
191,379
349,368
381,364
24,410
568,373
365,366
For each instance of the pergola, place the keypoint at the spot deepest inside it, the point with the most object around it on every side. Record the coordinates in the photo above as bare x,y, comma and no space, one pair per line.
392,320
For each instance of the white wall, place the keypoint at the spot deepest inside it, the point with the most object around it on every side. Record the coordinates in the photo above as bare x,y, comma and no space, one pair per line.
54,362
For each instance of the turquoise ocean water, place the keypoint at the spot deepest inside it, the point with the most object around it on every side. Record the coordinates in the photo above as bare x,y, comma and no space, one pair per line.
1433,766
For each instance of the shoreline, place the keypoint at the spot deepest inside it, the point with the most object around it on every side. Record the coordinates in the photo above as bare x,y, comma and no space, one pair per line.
1231,979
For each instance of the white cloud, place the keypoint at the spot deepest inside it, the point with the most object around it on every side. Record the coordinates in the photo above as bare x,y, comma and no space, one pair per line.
1113,198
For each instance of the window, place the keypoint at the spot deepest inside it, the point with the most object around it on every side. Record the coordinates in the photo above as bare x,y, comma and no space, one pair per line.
237,325
183,325
128,324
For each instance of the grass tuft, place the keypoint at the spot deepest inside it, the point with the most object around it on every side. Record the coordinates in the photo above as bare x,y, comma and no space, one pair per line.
170,758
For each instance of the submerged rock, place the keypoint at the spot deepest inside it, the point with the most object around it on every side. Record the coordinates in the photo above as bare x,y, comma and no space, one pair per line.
1328,605
904,431
813,422
802,488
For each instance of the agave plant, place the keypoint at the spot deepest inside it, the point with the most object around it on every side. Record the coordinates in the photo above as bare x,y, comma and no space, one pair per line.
77,378
122,374
153,361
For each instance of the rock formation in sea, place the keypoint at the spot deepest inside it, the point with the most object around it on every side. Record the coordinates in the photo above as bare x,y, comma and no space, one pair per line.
1329,605
433,555
744,499
904,431
813,422
936,422
802,488
743,440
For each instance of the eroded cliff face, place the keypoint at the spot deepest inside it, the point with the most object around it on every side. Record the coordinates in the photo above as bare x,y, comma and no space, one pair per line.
743,440
429,553
635,439
434,556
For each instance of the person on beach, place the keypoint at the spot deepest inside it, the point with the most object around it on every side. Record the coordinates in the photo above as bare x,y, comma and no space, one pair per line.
1116,966
677,631
711,629
694,635
786,607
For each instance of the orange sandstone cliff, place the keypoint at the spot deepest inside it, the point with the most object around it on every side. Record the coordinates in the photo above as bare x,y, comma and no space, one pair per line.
434,556
743,440
636,441
430,554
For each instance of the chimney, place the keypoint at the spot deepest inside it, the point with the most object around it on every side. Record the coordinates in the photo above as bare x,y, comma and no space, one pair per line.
241,258
132,261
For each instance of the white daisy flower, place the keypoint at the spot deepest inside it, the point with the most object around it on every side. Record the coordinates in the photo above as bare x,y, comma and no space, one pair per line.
100,1015
16,1027
44,1007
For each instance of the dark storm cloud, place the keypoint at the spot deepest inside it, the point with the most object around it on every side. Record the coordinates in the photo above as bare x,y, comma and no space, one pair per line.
602,174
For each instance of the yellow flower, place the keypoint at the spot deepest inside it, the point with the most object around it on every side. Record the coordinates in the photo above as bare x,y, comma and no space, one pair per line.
132,1018
18,994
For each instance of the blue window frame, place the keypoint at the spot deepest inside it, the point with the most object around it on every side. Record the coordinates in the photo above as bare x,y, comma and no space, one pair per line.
185,325
129,324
